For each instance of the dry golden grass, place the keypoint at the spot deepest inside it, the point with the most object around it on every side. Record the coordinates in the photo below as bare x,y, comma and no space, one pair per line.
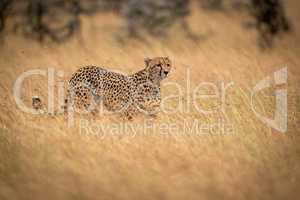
42,158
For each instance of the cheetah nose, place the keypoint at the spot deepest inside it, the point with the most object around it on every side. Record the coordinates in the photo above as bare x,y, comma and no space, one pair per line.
166,72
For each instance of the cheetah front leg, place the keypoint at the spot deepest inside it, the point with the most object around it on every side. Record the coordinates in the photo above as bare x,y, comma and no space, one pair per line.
147,100
153,108
149,107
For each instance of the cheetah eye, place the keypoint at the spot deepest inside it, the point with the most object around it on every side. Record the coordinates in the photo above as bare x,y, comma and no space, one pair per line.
168,65
159,65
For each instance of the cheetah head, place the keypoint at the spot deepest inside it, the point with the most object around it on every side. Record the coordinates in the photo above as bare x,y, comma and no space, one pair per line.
158,67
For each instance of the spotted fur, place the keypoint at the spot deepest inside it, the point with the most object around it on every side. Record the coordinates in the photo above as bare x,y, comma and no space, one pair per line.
128,95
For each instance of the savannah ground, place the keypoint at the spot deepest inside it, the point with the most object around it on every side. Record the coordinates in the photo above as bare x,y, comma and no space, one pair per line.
42,158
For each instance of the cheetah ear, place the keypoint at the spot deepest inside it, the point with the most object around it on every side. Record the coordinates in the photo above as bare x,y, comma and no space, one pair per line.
147,61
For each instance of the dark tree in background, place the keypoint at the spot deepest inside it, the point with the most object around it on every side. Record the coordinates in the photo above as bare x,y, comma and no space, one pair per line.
55,19
58,20
155,16
211,4
50,19
269,16
4,5
270,20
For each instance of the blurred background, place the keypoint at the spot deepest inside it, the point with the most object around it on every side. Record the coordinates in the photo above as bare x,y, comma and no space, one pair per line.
58,20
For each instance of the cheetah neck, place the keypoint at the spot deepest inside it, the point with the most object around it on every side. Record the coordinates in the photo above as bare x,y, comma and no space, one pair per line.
141,77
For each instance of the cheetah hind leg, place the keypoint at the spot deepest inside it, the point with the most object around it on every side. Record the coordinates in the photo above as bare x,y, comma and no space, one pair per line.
129,113
82,99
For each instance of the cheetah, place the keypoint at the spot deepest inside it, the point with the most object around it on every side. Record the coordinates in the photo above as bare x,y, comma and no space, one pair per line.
125,94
